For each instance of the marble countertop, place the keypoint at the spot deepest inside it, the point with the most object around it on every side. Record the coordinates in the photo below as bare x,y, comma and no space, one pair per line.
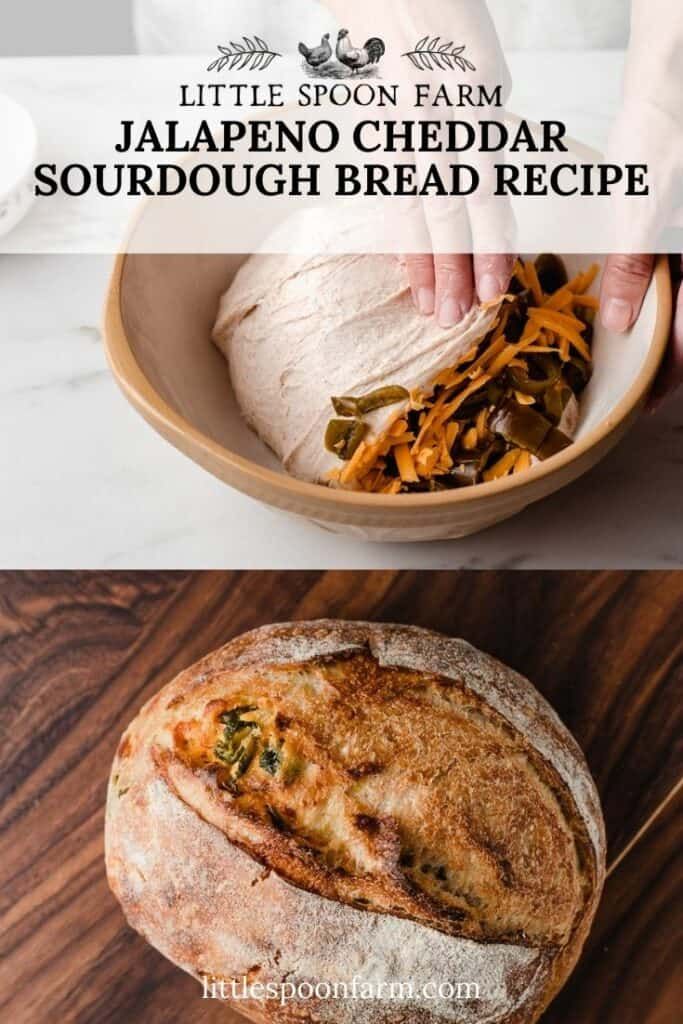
87,484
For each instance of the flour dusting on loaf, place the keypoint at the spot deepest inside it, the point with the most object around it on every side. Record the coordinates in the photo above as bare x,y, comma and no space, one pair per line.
287,941
318,801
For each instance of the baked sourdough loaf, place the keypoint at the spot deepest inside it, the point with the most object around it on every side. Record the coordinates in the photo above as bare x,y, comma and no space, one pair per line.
327,800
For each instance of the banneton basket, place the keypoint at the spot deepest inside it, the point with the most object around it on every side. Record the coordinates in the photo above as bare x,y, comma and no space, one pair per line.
160,311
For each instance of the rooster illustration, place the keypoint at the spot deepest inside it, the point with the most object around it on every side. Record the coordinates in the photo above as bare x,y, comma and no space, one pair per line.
317,55
357,59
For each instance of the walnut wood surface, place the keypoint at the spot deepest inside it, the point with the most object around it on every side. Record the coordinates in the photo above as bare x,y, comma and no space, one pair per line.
81,652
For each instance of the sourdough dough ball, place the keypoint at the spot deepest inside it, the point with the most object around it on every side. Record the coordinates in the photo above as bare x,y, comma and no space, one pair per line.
298,329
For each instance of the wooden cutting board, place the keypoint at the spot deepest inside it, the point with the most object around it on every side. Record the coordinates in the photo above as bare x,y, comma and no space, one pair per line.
81,652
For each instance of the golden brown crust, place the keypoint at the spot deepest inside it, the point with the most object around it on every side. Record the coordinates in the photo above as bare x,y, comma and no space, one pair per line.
399,785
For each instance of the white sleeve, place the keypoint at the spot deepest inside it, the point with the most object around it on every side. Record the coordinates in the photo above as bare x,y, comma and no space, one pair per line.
654,66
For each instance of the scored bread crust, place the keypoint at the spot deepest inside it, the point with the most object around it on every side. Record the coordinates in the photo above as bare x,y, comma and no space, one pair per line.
217,896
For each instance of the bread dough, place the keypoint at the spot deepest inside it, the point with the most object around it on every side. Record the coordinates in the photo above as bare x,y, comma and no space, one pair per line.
298,329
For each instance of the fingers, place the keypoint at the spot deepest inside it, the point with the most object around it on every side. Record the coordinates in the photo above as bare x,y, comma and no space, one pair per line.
492,275
624,284
446,284
420,270
671,374
454,288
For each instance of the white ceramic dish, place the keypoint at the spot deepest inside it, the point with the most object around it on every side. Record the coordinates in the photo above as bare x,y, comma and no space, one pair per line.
18,145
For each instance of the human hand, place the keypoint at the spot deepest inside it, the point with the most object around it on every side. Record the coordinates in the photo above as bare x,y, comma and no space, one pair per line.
624,284
446,284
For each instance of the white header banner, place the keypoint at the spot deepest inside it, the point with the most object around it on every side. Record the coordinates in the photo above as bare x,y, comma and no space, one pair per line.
414,133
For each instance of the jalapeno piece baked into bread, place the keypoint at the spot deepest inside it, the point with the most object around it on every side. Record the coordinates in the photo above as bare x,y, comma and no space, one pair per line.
323,801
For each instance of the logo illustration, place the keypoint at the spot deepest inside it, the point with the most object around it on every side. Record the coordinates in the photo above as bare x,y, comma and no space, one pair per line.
429,55
255,54
321,62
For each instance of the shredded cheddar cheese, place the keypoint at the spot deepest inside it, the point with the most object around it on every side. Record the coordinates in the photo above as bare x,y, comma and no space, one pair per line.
503,466
473,424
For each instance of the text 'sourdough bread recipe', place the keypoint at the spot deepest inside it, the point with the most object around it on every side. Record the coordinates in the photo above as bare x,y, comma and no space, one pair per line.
318,801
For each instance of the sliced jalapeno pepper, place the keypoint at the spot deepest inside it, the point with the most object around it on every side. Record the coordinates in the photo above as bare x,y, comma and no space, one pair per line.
555,442
350,405
382,397
555,401
495,389
528,385
347,406
342,437
521,426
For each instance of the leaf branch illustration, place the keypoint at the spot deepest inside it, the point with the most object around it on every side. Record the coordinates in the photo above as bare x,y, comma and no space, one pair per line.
430,54
254,54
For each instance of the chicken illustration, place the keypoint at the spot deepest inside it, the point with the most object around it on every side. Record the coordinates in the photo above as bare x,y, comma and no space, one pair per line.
318,55
357,59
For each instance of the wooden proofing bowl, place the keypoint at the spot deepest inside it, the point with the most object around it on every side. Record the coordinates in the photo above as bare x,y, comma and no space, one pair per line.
159,314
